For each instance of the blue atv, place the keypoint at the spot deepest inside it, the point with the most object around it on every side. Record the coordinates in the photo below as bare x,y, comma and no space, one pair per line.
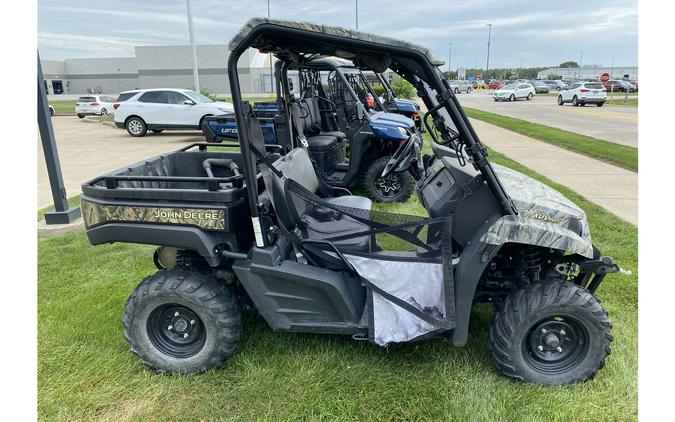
393,104
349,132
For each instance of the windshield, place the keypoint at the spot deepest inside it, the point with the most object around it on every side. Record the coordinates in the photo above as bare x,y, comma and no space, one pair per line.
510,86
197,97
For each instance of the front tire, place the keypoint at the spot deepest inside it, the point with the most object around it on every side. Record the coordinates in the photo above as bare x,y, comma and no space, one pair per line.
182,321
529,96
397,187
600,104
512,98
551,333
560,100
136,127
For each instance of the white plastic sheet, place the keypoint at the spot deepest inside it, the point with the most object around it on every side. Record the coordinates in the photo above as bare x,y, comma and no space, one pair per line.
418,283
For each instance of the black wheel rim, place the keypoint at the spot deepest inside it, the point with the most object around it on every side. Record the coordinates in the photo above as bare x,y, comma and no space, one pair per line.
389,186
176,330
556,344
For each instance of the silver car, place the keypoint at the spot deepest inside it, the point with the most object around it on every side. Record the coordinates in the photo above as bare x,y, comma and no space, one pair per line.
458,86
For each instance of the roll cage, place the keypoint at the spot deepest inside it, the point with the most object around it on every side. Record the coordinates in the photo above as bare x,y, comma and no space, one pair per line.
290,41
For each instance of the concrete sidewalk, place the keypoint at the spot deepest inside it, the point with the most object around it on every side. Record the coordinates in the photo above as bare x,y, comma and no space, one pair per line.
611,187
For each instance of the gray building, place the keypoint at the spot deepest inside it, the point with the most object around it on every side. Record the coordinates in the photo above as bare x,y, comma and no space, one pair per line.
590,72
157,67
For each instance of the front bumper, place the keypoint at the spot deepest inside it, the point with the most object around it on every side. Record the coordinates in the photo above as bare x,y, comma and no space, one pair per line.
119,125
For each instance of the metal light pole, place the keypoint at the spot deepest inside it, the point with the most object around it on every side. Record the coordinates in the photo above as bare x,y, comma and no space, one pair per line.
487,64
270,54
611,69
195,72
357,15
581,57
449,59
62,213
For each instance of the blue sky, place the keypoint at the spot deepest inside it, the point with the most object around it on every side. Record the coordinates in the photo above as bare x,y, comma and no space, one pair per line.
539,33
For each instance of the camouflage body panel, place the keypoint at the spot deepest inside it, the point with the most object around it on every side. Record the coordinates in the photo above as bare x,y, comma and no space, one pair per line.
330,30
545,217
96,214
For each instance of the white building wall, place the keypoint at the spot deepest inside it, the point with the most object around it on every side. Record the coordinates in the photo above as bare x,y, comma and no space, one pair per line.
616,72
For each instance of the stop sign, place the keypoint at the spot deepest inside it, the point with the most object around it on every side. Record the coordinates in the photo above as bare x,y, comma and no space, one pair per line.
604,77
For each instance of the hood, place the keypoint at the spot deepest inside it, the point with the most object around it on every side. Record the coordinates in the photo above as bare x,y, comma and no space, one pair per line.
223,104
406,105
536,200
503,91
392,119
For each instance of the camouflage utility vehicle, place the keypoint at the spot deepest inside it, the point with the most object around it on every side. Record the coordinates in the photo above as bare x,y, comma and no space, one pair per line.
251,227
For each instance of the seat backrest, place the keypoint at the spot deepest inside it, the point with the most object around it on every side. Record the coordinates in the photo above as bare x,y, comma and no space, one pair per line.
297,166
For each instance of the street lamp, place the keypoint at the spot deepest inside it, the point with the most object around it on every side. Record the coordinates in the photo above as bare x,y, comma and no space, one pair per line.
487,64
270,54
357,15
195,72
581,56
449,58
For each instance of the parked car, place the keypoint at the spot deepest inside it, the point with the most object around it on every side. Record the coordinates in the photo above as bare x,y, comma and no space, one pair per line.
94,105
514,91
582,93
555,85
618,85
458,86
165,108
495,85
540,87
635,84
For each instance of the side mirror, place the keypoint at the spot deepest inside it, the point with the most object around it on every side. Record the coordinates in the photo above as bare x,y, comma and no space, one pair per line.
189,102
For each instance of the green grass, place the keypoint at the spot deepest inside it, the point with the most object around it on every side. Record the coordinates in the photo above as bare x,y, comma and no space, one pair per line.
86,371
620,101
620,155
63,107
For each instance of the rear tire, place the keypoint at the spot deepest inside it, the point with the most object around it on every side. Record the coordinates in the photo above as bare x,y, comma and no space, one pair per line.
600,104
551,333
81,116
136,127
529,96
397,187
182,321
104,112
575,101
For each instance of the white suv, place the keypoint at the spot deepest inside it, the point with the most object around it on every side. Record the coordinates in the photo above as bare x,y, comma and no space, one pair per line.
165,108
582,93
512,92
94,105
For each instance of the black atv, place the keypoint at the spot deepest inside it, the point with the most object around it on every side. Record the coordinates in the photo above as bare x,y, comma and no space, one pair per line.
257,230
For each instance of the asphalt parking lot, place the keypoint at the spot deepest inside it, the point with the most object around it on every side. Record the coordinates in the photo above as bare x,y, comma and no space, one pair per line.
612,123
88,149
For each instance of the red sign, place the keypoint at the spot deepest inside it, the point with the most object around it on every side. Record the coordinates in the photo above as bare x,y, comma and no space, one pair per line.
604,77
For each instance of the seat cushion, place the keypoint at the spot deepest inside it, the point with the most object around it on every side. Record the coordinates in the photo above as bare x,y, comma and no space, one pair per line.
321,142
352,201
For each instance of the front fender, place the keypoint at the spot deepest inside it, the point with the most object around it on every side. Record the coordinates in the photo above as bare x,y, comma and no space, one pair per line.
532,231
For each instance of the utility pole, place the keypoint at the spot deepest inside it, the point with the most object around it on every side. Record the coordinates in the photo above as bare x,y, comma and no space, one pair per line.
449,59
581,57
195,72
487,64
357,15
270,54
611,69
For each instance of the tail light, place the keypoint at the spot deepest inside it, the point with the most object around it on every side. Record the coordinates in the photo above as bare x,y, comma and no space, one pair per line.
93,104
583,90
116,105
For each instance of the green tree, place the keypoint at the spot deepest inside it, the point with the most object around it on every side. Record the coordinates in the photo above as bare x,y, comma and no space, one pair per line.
403,88
568,63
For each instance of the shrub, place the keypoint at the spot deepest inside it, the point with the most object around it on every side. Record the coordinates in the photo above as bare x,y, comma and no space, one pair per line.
208,93
379,90
403,88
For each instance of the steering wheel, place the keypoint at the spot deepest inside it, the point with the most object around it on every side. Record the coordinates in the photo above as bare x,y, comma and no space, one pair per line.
405,149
